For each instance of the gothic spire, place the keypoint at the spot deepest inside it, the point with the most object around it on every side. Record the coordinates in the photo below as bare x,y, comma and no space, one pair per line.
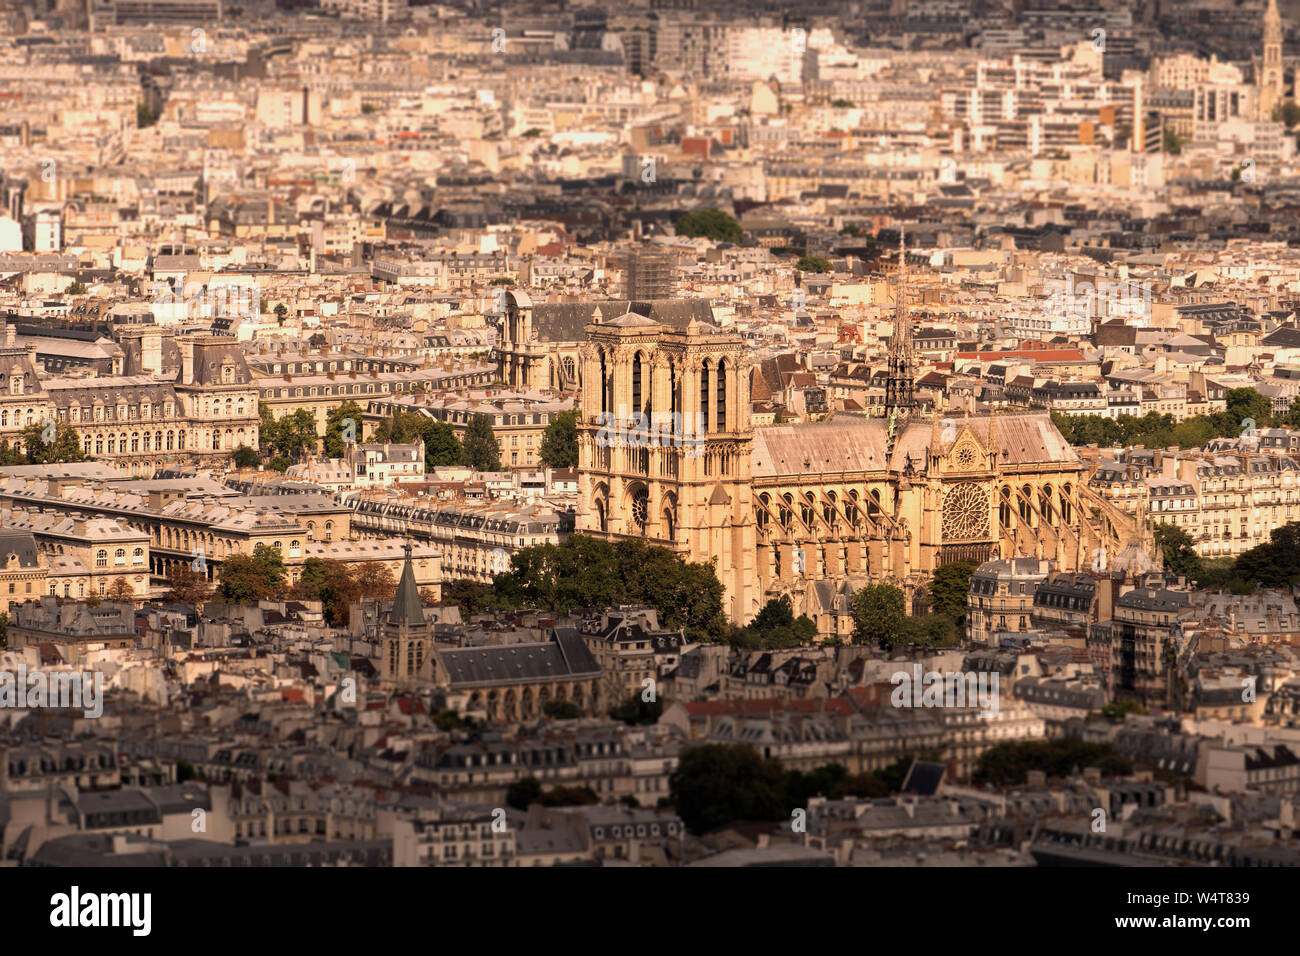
407,608
899,398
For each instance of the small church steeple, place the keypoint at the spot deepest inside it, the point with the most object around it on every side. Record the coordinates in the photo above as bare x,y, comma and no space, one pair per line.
407,639
407,608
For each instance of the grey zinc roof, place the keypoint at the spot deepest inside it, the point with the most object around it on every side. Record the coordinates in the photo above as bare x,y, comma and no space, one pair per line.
517,663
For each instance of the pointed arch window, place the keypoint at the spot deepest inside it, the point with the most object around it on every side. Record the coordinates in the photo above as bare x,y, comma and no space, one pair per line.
704,397
722,396
637,373
604,384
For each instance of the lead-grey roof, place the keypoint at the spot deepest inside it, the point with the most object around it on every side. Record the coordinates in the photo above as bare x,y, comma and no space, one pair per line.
520,663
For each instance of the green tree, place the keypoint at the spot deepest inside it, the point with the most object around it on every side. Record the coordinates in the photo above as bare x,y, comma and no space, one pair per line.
1008,764
247,579
1170,142
77,287
144,116
289,436
479,449
342,421
948,590
813,264
121,590
338,585
1292,417
402,428
562,796
1179,551
522,794
878,615
842,104
1246,403
187,585
562,710
245,457
1275,564
502,280
4,629
441,446
711,224
590,572
718,784
281,312
560,441
64,444
185,771
775,628
634,710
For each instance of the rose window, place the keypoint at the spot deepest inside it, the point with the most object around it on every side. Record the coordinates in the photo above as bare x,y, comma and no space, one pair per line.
640,509
965,512
965,457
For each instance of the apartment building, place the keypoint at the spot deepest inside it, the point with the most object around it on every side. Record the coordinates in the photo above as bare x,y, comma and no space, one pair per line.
1001,598
1228,497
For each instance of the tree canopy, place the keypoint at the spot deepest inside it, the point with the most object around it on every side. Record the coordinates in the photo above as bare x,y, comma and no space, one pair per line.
715,785
338,585
187,585
560,441
479,449
711,224
813,264
878,614
948,590
1009,763
441,446
775,628
1243,406
64,444
287,437
245,457
247,579
1179,551
590,572
342,424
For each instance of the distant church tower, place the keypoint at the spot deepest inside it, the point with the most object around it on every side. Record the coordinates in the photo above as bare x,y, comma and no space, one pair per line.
407,640
1270,78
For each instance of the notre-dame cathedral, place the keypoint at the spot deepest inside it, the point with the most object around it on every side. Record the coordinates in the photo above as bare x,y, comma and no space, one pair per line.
667,453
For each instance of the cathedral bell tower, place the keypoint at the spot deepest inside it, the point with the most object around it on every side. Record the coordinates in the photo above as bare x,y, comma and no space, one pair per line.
664,445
